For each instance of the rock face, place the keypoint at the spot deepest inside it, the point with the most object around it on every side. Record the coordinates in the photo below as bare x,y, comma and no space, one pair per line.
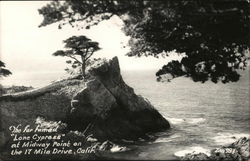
103,106
193,156
238,151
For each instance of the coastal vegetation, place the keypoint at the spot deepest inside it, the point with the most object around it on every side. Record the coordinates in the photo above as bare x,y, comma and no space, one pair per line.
3,71
79,49
212,37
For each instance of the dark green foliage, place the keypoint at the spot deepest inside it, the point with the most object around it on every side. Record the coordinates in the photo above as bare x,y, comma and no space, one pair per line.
213,35
3,71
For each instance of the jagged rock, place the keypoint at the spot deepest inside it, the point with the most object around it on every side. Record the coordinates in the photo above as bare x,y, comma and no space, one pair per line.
238,151
242,145
103,106
109,146
194,156
225,153
112,107
164,78
106,146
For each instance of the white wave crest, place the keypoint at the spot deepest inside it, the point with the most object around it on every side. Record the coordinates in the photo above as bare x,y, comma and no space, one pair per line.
189,120
176,120
228,138
196,120
166,139
117,148
193,150
162,140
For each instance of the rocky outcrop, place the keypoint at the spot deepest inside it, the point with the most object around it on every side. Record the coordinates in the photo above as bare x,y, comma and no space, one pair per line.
103,106
194,156
237,151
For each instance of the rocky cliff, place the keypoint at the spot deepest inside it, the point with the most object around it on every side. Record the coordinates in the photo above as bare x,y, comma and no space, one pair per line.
103,106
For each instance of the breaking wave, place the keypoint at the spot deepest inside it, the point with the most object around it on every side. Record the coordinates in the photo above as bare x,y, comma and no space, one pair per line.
193,150
228,138
188,120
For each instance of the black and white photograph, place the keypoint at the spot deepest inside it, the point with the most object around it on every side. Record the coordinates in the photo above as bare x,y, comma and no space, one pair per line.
125,80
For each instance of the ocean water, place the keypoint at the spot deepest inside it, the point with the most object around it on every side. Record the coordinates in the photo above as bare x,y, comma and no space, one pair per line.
203,116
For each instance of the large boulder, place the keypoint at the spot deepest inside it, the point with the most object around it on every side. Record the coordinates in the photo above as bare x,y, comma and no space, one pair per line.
103,105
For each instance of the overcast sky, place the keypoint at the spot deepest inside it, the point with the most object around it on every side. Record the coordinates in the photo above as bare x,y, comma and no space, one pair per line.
27,48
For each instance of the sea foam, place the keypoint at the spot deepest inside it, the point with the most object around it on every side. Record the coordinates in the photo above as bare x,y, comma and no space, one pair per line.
196,120
228,138
117,148
166,139
175,121
193,150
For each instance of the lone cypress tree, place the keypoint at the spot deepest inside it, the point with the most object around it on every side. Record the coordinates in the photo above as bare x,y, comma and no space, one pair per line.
80,49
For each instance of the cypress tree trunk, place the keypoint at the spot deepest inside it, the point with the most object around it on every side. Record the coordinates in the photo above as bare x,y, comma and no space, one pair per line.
83,67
